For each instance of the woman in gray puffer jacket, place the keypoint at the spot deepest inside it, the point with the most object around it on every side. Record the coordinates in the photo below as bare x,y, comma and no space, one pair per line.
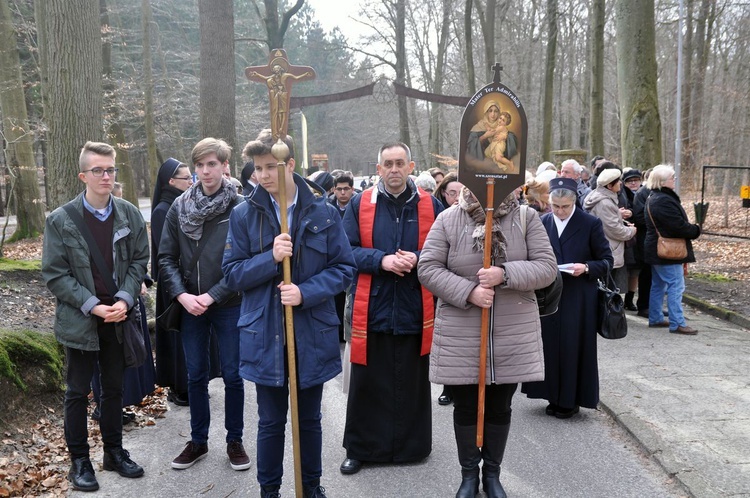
451,267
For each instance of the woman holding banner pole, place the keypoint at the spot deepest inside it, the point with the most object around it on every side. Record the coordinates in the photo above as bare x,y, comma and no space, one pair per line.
451,267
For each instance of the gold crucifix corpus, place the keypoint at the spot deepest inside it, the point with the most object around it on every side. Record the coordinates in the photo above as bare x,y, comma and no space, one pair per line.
279,76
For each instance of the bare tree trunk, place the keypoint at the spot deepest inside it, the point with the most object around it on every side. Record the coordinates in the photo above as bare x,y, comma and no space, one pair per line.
436,114
703,35
687,65
403,114
275,30
549,78
74,93
18,137
468,22
640,133
152,163
40,19
217,95
179,145
487,22
115,135
596,119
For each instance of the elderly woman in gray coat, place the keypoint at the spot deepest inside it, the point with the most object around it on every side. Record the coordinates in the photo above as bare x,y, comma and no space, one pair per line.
602,203
451,267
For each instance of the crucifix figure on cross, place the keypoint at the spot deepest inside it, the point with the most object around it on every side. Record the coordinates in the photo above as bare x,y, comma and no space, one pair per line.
279,76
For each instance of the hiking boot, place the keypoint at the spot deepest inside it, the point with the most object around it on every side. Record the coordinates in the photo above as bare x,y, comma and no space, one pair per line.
238,459
191,454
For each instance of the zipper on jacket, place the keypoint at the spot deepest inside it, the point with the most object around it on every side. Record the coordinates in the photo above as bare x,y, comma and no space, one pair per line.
198,269
491,343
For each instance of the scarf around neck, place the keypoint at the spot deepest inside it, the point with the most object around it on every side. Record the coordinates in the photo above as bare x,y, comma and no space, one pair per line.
471,205
196,208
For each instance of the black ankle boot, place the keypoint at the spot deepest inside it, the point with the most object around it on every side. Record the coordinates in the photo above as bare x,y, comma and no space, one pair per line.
270,492
629,304
495,438
468,456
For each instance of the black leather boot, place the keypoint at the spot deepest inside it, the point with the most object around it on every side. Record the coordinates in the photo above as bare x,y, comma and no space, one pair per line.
495,437
270,492
629,304
118,459
468,456
82,475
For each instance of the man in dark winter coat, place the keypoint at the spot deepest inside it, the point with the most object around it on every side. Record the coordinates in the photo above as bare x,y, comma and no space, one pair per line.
389,414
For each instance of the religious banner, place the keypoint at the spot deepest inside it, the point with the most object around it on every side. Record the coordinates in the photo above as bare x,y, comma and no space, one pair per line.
493,142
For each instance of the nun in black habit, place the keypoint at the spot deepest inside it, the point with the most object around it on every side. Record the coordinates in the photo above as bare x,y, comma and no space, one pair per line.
571,372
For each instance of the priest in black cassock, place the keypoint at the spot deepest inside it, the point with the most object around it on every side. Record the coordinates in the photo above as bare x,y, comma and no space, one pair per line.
389,410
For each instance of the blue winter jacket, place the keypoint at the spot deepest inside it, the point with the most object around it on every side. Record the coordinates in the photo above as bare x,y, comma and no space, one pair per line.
395,302
322,266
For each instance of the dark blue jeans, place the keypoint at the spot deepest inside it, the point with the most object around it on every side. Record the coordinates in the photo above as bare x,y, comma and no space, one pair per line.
272,414
196,332
80,368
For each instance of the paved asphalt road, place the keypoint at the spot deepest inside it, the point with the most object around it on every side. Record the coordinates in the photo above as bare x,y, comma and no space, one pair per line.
587,456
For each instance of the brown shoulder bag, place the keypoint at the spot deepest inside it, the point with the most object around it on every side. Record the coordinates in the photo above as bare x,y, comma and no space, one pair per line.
668,248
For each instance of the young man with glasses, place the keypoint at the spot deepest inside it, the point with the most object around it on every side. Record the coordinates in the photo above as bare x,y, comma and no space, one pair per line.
343,192
86,311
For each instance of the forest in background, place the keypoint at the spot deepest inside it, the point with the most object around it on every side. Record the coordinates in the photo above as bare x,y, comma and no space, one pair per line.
152,90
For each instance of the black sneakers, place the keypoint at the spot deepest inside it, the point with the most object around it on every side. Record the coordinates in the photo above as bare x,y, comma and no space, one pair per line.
238,459
191,454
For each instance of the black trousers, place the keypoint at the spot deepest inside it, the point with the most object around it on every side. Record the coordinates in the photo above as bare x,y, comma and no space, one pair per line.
644,287
80,368
497,399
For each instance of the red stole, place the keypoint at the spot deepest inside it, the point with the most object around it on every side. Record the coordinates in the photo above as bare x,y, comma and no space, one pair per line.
426,216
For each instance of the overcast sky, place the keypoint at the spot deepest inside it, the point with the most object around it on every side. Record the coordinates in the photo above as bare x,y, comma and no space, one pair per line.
332,13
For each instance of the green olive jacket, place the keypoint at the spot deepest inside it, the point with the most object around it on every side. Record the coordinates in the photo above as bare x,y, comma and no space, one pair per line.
66,269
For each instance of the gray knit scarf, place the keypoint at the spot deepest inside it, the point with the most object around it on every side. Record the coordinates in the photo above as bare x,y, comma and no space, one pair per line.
195,208
470,204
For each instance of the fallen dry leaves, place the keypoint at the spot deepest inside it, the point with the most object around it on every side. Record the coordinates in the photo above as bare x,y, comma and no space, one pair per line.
34,460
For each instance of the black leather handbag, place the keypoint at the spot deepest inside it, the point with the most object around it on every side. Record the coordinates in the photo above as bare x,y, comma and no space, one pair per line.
548,298
612,323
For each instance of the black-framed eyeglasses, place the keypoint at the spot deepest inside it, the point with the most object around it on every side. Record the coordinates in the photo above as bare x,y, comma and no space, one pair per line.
189,177
99,172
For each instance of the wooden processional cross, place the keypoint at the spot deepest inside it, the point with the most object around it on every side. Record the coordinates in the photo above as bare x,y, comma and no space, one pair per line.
279,76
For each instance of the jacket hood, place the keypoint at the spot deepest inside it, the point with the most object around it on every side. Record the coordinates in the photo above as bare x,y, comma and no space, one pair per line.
598,195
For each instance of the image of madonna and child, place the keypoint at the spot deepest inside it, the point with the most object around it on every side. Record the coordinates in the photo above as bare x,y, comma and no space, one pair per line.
490,138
